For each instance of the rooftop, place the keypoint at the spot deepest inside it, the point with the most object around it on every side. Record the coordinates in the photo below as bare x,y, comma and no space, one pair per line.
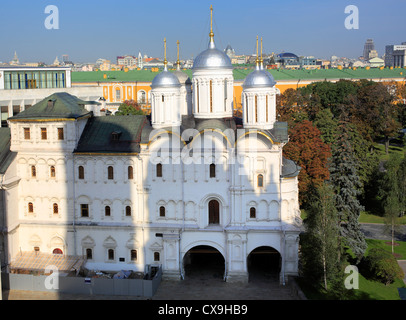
57,105
240,74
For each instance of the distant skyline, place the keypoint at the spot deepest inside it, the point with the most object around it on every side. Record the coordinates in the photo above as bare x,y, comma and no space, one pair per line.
91,29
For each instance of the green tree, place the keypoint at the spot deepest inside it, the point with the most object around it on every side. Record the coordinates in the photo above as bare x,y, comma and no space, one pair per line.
327,125
346,182
129,107
320,246
394,193
383,266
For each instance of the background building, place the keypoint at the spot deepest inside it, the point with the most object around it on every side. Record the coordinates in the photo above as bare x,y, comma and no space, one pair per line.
395,55
368,47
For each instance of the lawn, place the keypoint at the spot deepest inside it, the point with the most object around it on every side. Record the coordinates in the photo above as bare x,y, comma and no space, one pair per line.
394,148
366,217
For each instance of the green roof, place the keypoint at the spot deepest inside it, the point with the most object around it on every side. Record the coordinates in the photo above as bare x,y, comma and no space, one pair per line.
97,136
6,156
240,74
57,105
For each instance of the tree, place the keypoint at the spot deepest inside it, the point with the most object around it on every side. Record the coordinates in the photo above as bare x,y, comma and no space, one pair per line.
327,125
307,149
129,107
320,244
383,266
394,193
346,182
375,113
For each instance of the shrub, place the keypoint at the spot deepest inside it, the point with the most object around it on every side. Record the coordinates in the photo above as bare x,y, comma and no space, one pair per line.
383,266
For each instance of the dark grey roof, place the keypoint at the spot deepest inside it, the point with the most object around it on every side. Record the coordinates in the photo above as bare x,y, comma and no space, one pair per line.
97,136
58,105
289,168
6,156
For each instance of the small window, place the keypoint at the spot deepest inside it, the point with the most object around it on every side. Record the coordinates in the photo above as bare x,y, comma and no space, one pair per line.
30,207
111,254
163,98
260,180
55,208
36,249
33,171
128,211
81,172
156,256
159,170
52,172
110,173
107,211
60,134
212,170
43,133
130,173
27,134
84,210
162,211
133,255
89,254
253,213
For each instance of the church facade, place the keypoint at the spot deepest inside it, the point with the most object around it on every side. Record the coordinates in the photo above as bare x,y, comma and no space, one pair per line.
125,192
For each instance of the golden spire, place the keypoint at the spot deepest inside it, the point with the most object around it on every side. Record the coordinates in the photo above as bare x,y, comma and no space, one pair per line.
178,61
261,61
165,61
211,34
257,59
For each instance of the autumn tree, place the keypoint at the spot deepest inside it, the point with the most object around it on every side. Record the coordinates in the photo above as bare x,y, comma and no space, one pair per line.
129,107
308,150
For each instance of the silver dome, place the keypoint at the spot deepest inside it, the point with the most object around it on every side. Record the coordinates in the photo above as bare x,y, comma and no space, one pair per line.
182,77
259,79
165,79
212,58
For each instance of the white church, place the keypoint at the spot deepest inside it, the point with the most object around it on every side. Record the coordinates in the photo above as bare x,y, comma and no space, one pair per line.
127,192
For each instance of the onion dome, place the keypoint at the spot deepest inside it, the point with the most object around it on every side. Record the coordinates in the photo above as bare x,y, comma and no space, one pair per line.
212,58
165,79
259,78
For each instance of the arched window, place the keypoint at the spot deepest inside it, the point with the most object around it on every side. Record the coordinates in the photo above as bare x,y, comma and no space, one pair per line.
214,212
55,208
159,170
52,172
256,108
128,211
33,171
133,255
212,170
30,207
110,173
111,254
162,211
253,213
81,172
211,96
156,256
260,181
89,254
130,173
57,251
107,211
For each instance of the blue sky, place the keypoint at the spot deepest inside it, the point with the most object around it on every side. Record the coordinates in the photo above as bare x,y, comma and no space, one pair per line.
90,29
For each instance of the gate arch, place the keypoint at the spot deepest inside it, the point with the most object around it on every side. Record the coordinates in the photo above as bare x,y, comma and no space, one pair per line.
264,263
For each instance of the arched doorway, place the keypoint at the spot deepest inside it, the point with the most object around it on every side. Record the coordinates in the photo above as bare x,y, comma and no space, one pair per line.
264,264
204,263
